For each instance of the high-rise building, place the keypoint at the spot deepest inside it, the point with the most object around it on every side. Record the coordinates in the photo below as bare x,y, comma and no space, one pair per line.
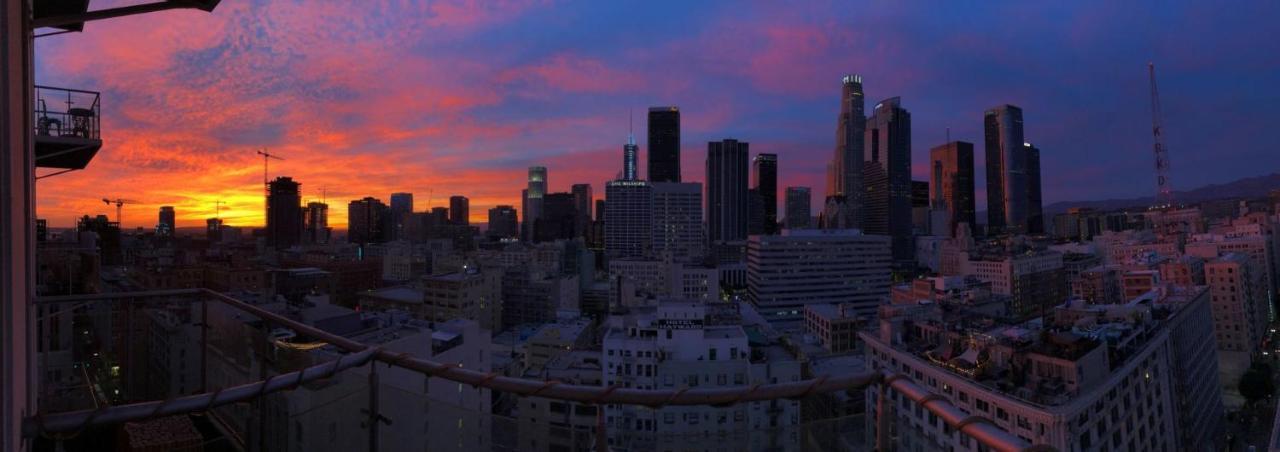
886,177
1239,308
728,205
677,221
628,219
459,210
1007,187
400,210
531,204
168,222
843,206
315,223
786,272
284,213
1035,209
558,219
367,220
920,207
764,180
503,222
799,215
582,204
951,187
664,144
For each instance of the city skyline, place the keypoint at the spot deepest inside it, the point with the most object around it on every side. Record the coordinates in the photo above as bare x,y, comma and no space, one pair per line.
179,137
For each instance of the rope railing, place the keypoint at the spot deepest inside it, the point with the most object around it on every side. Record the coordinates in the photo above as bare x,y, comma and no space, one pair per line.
981,429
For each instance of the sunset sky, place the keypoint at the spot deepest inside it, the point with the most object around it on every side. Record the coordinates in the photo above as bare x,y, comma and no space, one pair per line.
366,98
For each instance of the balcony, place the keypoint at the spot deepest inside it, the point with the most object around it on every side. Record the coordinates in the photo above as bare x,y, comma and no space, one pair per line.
67,127
194,369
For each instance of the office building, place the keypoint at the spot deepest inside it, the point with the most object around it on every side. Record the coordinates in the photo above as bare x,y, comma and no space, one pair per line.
400,210
582,202
844,173
284,213
469,294
728,205
664,144
886,177
1035,208
531,203
628,219
800,267
1141,376
367,220
558,220
1239,312
951,187
1035,279
1008,190
459,210
764,181
503,222
920,209
168,222
798,213
315,223
677,221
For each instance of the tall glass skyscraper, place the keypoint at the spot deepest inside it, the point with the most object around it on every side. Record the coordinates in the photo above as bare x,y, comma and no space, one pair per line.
764,180
727,202
844,173
951,180
664,144
886,177
1007,193
531,205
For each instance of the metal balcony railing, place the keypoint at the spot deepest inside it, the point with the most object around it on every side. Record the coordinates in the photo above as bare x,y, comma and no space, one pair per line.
66,112
94,380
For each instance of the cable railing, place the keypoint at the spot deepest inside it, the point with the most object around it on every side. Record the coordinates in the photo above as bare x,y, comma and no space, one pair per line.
351,355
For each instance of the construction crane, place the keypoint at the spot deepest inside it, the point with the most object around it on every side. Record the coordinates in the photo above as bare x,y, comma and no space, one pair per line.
1164,189
266,185
217,208
119,206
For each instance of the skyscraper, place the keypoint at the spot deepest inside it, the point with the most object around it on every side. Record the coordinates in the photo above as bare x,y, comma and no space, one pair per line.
1035,211
886,177
677,221
1007,191
400,211
284,213
503,222
531,204
315,223
558,219
764,180
628,219
459,210
844,173
168,222
664,144
799,214
727,203
582,203
951,184
366,219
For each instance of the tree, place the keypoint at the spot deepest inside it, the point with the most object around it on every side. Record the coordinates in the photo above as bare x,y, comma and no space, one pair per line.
1256,383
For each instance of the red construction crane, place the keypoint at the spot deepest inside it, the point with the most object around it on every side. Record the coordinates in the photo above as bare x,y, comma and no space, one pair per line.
1164,189
119,205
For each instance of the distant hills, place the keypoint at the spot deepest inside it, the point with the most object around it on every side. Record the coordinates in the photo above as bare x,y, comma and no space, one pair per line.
1249,187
